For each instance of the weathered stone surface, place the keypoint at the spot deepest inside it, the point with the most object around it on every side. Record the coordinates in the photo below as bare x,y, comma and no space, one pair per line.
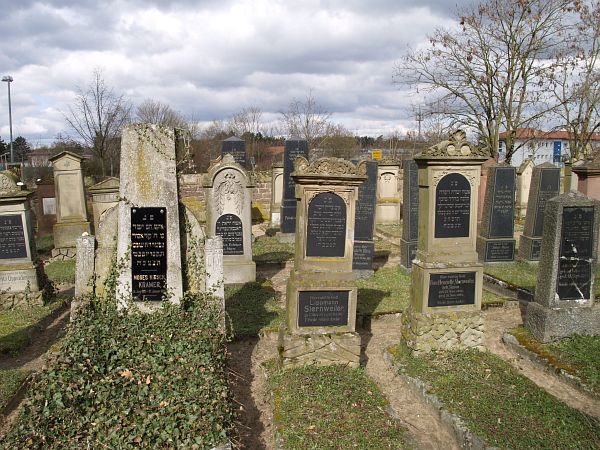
549,324
276,195
84,265
389,194
298,350
105,195
106,251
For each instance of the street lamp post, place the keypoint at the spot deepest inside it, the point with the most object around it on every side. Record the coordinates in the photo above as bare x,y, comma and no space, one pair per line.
8,79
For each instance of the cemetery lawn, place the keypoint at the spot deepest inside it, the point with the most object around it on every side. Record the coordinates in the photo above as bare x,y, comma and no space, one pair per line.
504,408
331,407
10,381
16,325
390,229
253,309
576,355
266,249
44,244
386,292
523,274
62,272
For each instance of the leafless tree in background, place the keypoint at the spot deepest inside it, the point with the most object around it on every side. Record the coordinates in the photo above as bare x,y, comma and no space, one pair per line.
308,120
152,111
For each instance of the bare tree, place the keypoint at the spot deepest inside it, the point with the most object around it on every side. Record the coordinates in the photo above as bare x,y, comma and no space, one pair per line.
152,111
308,120
97,117
492,72
577,87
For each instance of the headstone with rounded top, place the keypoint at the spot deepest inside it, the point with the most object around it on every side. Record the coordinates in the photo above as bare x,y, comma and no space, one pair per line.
235,147
276,194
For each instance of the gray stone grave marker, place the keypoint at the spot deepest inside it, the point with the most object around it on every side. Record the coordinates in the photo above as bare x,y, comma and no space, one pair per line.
410,214
364,225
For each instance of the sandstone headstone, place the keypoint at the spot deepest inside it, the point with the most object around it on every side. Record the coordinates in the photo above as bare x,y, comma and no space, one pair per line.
84,271
483,188
410,214
294,147
228,199
235,147
545,184
71,211
45,206
364,225
564,302
105,195
496,241
447,279
388,194
276,194
524,174
321,291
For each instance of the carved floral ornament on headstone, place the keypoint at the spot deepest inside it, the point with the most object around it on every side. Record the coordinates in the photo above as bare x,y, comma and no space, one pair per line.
8,183
456,146
329,167
230,191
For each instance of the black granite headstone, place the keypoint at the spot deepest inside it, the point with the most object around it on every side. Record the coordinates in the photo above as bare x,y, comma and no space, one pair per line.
503,203
294,147
230,228
12,237
451,289
322,308
574,276
365,205
549,187
362,258
236,147
411,210
148,253
326,226
497,251
452,206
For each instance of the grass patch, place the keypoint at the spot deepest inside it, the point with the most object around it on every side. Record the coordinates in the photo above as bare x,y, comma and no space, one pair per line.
385,246
44,244
331,408
268,249
576,355
16,325
253,308
10,381
386,292
390,229
506,409
61,271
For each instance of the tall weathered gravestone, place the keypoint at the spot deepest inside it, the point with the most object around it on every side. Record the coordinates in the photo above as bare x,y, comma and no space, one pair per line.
294,147
105,195
524,173
228,200
18,271
447,279
410,214
276,194
321,291
235,147
364,224
564,302
496,241
545,184
71,211
388,194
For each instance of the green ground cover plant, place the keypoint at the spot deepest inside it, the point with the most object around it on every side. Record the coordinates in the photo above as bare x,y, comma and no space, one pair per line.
267,249
576,355
386,292
17,325
503,407
253,308
132,380
61,271
331,407
10,381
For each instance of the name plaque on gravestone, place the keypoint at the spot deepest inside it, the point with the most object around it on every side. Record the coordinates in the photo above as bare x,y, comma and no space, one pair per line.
503,204
148,253
451,289
362,258
229,227
413,201
574,276
365,205
326,226
322,308
549,187
452,206
496,251
12,237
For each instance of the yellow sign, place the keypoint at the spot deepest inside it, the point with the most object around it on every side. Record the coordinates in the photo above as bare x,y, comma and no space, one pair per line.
376,154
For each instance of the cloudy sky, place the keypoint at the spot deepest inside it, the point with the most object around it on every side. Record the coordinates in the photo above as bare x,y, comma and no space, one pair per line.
210,58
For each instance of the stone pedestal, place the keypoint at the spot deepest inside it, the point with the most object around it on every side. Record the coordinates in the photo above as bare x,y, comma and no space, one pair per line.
389,197
364,224
447,278
321,291
524,173
410,214
71,211
229,195
564,302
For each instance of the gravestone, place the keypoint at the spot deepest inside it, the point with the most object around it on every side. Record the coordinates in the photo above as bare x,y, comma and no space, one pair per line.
105,195
71,211
19,282
545,184
321,291
410,214
228,201
447,278
215,283
276,194
236,147
364,223
483,188
496,242
45,206
524,174
388,194
148,243
564,302
294,147
84,271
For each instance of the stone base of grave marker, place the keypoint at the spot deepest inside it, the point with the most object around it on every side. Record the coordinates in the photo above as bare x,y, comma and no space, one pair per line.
496,250
65,236
423,333
548,324
408,251
239,272
325,349
19,287
529,248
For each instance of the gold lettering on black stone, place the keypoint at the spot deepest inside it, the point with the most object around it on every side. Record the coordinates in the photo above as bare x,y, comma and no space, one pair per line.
451,289
12,237
229,227
148,253
326,226
452,206
322,308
